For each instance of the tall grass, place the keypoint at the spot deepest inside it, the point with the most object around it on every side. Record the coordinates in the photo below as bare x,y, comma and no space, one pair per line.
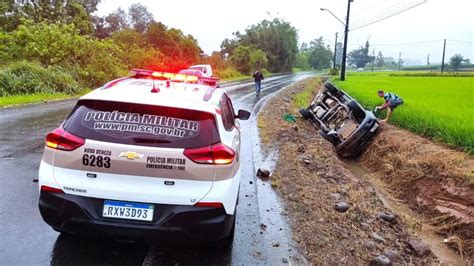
441,108
22,77
303,98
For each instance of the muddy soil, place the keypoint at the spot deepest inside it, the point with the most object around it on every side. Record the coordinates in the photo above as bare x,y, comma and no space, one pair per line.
312,180
432,179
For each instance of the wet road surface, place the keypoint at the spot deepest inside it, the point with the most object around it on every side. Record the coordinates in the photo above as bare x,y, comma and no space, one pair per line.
27,240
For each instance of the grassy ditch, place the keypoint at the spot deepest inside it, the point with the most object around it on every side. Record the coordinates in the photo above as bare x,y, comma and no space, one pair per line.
441,108
304,97
311,178
433,180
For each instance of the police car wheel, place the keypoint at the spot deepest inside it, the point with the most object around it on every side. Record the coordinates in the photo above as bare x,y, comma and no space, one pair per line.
228,240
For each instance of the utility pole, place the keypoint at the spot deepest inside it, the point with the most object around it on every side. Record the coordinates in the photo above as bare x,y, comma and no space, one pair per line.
373,59
399,60
346,33
444,52
428,60
335,51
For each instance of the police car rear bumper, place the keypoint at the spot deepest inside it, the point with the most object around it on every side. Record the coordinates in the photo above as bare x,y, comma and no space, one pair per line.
82,215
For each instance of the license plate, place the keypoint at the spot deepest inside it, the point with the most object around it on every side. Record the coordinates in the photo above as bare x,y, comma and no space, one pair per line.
128,210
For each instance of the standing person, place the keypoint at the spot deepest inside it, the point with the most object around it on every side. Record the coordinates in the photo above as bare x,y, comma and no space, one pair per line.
391,101
258,77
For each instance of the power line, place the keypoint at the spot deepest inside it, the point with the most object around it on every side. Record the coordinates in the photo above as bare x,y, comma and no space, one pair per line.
409,43
460,41
412,43
371,14
399,44
389,16
375,13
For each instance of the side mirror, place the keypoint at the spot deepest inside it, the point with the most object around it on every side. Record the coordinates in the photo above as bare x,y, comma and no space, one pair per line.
243,115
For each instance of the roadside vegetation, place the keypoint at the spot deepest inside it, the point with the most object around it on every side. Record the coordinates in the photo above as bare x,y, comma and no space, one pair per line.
441,108
61,47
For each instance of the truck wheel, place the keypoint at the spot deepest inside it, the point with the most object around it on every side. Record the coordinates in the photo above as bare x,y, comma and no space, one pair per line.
304,113
331,88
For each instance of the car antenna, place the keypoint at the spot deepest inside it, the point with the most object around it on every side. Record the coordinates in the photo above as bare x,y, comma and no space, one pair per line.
154,89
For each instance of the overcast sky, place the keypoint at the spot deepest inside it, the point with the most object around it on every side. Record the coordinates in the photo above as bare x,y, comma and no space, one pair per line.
210,21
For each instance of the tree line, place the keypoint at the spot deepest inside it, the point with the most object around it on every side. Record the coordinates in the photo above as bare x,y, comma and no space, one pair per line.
64,43
361,58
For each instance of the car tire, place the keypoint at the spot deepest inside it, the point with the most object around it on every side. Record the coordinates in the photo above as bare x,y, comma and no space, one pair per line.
331,88
333,141
357,111
304,113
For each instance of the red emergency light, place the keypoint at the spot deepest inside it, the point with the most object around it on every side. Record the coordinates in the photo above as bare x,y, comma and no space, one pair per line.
176,77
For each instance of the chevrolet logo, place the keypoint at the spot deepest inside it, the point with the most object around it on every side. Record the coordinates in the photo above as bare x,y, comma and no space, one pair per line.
131,155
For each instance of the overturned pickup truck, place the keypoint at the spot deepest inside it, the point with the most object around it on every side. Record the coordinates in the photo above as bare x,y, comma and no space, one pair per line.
341,120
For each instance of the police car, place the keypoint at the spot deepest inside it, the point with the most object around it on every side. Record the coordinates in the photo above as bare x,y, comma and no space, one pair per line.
151,156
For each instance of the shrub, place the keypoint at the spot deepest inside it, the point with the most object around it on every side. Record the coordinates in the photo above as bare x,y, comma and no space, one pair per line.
93,61
26,77
333,72
228,72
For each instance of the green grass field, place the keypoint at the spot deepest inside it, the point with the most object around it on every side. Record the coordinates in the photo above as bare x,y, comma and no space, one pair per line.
441,108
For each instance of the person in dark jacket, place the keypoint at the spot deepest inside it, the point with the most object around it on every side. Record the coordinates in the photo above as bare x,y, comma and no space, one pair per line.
392,101
258,77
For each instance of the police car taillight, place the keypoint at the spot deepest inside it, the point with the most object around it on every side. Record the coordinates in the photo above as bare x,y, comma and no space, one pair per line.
214,154
51,189
210,204
62,140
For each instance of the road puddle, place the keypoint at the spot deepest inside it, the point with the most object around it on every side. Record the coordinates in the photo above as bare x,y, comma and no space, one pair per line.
426,232
281,248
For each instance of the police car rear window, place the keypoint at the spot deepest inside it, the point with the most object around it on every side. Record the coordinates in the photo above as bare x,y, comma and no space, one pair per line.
139,124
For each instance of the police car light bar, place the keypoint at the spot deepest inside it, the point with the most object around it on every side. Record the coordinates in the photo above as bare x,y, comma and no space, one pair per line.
175,76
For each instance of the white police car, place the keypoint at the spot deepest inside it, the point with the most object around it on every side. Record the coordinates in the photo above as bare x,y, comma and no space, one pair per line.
153,156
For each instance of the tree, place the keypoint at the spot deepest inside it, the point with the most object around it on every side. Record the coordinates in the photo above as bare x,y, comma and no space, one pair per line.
140,17
117,20
75,12
9,15
360,57
276,38
258,59
245,58
457,60
216,60
302,61
78,16
89,5
228,46
379,62
320,55
101,31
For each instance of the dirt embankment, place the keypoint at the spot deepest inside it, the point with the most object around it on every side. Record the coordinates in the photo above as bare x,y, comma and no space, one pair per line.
432,179
312,180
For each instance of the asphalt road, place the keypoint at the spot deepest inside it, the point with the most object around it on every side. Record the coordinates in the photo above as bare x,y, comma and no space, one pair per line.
26,240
